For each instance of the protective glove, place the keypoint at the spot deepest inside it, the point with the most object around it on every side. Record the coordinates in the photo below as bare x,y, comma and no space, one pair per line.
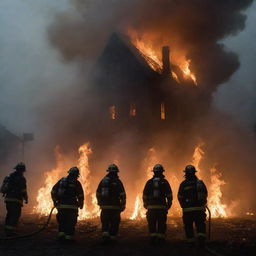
81,206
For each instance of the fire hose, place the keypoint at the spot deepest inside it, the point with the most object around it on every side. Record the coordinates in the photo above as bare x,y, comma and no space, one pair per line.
209,233
33,233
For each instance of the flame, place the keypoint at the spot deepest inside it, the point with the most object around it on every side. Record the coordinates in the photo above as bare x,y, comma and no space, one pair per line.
148,53
139,211
162,111
153,57
150,160
44,201
175,77
198,156
187,72
133,109
215,205
215,194
83,165
112,112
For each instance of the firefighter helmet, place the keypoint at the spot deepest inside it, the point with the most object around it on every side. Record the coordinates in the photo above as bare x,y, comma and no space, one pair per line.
190,169
112,168
20,167
74,171
158,168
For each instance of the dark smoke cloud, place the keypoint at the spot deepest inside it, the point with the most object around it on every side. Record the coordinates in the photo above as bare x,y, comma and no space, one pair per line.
196,26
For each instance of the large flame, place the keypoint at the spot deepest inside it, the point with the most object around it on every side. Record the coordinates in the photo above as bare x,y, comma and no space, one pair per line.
139,211
216,206
215,195
153,57
150,160
44,201
91,208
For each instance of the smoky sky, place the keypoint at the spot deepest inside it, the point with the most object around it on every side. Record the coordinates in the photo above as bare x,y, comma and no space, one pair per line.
237,96
196,26
43,44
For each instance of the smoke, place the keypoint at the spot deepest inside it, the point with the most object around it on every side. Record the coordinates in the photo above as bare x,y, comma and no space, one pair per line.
194,27
240,89
45,77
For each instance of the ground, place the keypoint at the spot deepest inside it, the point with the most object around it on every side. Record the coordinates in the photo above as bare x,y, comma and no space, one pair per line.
233,236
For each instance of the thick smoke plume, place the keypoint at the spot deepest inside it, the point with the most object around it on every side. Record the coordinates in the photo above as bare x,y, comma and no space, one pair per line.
193,29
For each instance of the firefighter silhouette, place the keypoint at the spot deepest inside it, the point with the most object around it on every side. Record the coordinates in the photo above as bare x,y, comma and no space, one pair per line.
68,196
14,190
157,199
111,198
192,196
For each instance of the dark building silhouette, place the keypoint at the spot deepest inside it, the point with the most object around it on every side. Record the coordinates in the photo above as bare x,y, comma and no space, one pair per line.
10,146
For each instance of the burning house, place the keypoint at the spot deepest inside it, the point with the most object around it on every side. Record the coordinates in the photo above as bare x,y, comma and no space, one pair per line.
149,98
136,93
132,86
141,105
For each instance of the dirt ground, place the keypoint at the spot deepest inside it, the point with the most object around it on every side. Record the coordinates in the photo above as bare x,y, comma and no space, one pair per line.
234,236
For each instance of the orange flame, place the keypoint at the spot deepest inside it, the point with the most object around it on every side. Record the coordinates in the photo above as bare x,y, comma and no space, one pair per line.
138,212
150,160
215,205
187,72
175,77
215,194
44,202
153,57
83,164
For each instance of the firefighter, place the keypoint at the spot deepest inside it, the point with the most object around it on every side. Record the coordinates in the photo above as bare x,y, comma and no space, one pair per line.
67,195
14,190
157,199
192,196
111,198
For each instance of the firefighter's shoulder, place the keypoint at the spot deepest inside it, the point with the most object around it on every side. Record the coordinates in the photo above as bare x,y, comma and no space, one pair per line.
183,183
165,181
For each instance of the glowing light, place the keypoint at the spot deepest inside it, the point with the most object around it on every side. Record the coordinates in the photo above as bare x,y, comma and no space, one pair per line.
44,201
215,195
85,179
112,112
149,162
175,77
187,72
138,212
152,55
216,206
133,109
162,111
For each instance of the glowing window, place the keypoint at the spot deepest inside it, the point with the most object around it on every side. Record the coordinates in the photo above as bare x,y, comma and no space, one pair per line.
112,112
162,111
133,109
